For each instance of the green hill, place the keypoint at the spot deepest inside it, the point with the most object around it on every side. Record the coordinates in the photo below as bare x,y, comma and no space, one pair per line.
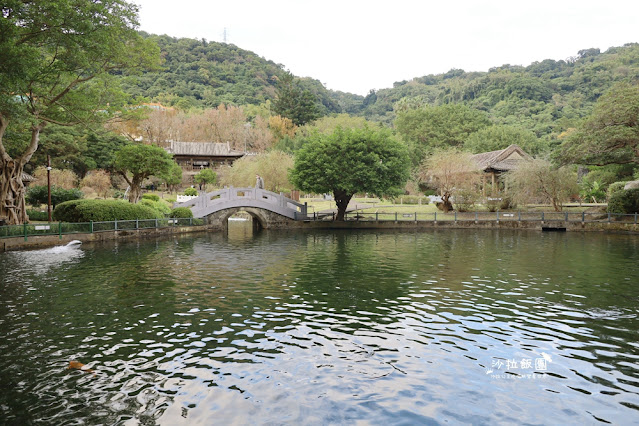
546,97
197,73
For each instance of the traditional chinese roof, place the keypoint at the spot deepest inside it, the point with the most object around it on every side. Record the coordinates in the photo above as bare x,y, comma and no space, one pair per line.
502,160
203,149
26,177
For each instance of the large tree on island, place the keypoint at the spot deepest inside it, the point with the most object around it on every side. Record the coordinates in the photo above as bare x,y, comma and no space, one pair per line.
610,135
56,63
137,162
349,161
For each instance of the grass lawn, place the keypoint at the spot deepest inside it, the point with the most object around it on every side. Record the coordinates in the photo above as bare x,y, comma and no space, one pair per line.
386,206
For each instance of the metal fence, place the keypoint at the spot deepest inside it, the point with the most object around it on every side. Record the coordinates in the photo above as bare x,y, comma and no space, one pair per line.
63,228
581,217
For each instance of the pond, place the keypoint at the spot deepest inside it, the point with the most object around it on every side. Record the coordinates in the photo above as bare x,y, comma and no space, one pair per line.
325,327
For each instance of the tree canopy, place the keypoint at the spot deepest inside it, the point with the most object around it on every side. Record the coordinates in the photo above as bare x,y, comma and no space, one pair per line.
498,137
141,161
294,101
610,135
56,64
539,181
349,161
447,126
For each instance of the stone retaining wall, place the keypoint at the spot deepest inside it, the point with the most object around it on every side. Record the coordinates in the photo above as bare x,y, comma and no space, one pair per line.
219,223
42,241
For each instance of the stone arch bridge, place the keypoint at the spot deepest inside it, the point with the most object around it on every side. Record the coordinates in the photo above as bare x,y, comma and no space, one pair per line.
268,209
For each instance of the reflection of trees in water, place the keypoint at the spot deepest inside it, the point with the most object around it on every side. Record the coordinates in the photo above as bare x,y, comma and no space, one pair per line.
353,270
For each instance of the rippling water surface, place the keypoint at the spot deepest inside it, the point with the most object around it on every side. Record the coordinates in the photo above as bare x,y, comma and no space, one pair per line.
427,327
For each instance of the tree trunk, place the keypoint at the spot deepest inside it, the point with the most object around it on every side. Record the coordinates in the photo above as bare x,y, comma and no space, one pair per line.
446,204
341,199
12,191
134,186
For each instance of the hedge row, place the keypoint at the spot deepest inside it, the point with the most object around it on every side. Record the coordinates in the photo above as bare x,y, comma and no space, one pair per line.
102,211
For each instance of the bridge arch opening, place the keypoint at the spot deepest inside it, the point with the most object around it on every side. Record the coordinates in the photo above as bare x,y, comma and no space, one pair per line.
243,214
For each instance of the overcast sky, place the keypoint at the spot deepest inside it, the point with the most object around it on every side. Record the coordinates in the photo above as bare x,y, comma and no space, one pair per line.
357,45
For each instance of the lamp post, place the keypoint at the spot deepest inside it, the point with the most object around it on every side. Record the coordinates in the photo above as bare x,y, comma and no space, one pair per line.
49,186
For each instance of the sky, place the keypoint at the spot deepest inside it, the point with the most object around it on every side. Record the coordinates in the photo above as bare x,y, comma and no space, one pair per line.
359,45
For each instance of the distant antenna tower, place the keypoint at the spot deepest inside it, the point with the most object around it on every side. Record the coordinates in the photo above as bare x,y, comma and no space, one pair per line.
224,35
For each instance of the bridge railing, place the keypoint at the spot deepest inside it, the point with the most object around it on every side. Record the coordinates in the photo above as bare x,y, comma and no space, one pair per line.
230,197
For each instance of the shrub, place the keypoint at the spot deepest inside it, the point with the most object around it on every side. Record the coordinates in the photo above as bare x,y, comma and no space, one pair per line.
465,199
159,206
37,195
190,191
493,204
152,197
624,202
614,188
181,212
118,194
38,215
102,211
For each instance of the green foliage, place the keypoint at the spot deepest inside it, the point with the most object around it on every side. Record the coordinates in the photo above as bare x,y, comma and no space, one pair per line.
38,215
349,161
200,73
294,101
78,148
173,176
39,194
190,192
498,137
57,65
141,161
624,202
102,211
152,197
465,199
158,206
181,212
447,126
205,176
610,135
592,191
615,187
546,97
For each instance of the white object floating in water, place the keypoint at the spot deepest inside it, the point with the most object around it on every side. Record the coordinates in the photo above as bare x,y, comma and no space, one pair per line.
74,243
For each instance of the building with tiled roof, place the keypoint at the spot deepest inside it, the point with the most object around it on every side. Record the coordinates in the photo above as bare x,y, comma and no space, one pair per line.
495,163
194,156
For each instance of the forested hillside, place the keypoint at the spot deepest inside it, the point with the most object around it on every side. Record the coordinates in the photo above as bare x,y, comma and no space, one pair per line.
201,74
546,97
